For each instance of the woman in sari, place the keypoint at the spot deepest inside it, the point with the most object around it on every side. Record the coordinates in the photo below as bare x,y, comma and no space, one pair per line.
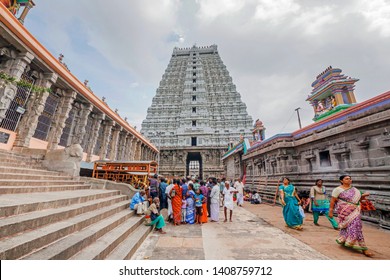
190,215
204,191
290,202
320,203
347,199
176,198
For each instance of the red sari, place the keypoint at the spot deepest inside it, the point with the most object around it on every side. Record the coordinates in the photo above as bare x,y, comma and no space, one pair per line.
176,204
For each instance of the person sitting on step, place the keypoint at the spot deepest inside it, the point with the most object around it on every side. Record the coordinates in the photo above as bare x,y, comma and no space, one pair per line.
156,218
138,203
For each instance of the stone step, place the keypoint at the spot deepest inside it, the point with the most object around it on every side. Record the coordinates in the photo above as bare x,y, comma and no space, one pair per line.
26,170
22,165
35,189
33,177
15,182
33,220
15,204
4,154
66,247
130,245
18,158
23,244
105,244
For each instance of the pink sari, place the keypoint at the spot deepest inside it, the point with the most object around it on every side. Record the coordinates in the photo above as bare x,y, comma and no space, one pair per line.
349,219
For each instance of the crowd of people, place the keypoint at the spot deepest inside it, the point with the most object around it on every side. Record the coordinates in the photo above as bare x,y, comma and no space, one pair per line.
195,201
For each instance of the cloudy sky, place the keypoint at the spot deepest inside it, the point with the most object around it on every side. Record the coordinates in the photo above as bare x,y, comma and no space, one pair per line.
273,49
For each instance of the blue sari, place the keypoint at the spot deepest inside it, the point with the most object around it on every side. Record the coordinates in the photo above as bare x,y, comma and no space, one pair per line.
291,214
190,215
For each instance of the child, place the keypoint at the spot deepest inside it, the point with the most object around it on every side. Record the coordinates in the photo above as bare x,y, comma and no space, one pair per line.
183,210
199,199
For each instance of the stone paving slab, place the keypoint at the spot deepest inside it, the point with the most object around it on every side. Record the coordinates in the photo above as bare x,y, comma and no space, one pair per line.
248,237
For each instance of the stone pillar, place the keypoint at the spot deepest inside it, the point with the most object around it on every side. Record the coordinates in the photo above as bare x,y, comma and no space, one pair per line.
27,8
8,91
29,121
114,143
122,145
79,131
61,116
138,150
108,125
339,99
133,148
351,96
129,141
94,135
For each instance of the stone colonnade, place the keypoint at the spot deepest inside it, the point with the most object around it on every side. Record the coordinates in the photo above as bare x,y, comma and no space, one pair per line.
65,113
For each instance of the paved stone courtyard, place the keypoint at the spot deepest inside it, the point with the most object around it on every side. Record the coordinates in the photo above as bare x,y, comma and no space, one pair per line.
258,232
248,237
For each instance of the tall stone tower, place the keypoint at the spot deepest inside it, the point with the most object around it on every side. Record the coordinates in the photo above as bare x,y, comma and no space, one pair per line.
195,114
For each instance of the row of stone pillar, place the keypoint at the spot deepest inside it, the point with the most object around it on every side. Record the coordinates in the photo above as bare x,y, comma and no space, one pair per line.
116,143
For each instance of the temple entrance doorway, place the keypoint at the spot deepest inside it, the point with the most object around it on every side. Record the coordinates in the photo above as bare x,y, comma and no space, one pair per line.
194,165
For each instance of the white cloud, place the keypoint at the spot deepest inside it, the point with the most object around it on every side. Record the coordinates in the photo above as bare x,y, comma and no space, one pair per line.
211,9
377,13
314,20
275,11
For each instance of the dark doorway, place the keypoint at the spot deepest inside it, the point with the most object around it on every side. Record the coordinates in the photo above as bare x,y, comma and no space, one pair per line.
194,165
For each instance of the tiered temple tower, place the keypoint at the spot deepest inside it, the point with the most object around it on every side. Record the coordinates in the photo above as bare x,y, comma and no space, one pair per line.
332,92
196,112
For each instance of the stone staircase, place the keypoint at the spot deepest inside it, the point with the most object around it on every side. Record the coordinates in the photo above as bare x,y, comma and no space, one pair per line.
47,215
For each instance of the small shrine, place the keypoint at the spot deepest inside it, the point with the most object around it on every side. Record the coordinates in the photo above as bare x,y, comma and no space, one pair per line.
14,5
258,131
332,92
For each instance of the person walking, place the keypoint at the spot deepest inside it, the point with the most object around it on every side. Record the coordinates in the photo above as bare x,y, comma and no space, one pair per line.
228,203
239,186
290,202
347,200
320,203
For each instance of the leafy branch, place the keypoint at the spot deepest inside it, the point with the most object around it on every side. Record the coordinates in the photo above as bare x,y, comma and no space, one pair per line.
21,83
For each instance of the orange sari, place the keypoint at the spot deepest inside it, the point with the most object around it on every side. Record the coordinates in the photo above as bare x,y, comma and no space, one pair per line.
176,204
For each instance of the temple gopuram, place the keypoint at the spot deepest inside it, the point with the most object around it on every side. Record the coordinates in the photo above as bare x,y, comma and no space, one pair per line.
195,114
346,138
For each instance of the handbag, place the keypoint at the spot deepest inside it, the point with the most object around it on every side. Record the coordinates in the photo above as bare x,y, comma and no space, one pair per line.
367,205
173,193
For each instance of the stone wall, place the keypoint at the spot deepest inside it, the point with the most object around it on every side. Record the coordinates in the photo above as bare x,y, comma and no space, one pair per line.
356,142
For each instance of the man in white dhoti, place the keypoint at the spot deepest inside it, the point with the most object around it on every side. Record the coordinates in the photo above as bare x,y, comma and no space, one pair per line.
228,203
240,189
214,203
167,191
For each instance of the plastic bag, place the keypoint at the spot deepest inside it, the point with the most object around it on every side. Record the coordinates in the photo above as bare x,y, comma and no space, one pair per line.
302,212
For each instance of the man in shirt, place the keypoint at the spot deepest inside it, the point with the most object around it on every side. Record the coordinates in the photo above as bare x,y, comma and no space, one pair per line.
138,203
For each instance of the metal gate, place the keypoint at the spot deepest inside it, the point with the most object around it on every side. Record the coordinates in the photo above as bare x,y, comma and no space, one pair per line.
18,105
45,119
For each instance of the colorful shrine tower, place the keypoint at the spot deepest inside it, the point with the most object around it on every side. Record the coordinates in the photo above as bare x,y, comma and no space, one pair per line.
332,92
258,131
